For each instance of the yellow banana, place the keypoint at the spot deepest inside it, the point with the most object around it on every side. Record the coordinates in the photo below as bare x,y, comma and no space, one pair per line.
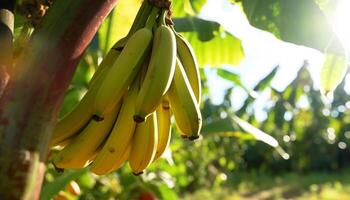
144,145
190,64
109,59
184,105
64,143
164,127
119,163
159,73
77,153
121,135
123,71
75,120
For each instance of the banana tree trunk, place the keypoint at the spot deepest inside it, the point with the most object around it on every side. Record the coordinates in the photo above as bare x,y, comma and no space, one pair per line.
6,32
31,100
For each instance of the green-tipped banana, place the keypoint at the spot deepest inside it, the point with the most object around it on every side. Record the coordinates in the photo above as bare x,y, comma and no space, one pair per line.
121,135
159,73
78,153
125,68
190,64
164,127
144,145
183,104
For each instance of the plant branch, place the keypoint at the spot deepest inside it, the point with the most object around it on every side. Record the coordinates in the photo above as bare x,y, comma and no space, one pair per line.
30,103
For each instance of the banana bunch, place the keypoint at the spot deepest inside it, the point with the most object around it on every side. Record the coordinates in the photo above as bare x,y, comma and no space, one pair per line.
125,116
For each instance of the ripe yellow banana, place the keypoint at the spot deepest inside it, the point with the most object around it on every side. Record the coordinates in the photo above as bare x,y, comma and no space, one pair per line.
184,105
190,64
119,163
120,136
109,59
164,127
77,153
123,71
144,145
75,120
159,73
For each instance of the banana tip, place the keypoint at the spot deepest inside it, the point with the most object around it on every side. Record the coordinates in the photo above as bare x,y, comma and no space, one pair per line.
184,136
194,137
137,173
59,170
139,119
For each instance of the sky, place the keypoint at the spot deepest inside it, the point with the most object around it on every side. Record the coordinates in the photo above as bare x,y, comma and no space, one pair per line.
263,51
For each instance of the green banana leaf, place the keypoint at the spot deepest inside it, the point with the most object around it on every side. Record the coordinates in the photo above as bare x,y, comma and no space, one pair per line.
51,189
332,73
117,24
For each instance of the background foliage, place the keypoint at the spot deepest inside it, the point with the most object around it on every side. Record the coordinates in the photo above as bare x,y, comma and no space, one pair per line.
308,134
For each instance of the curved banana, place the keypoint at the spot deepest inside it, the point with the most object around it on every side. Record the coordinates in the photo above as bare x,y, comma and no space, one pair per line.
184,105
109,59
77,153
144,145
75,120
124,158
190,64
123,71
164,127
159,73
120,136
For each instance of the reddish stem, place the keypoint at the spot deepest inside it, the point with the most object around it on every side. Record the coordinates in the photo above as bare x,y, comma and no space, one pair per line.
30,103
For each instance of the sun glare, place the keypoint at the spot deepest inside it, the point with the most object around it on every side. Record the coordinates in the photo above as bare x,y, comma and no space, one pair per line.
341,22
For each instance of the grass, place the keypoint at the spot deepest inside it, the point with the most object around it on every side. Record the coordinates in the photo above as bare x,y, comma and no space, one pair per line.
317,185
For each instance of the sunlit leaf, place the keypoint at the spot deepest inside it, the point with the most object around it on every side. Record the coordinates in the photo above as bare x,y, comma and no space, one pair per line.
332,72
261,86
223,49
205,29
236,79
219,125
197,4
300,22
257,133
118,23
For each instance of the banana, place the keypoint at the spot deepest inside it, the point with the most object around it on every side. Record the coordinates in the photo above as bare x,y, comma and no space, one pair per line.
144,145
64,143
124,157
109,59
159,73
164,127
121,135
184,105
75,120
122,72
187,57
77,153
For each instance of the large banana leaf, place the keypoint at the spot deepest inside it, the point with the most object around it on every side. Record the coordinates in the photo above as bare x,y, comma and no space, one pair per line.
298,21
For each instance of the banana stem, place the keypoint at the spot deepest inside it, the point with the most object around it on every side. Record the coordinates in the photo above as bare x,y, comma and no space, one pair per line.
162,17
141,17
152,18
